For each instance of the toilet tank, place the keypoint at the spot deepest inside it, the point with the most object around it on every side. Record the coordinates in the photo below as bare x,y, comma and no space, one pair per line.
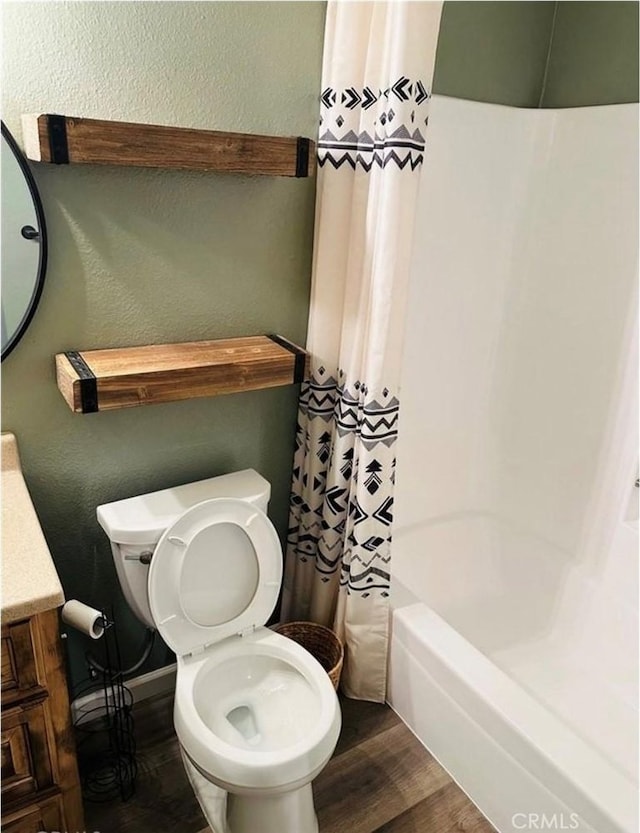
134,525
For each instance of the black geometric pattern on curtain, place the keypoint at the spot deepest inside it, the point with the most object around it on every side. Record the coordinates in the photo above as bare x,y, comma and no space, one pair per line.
344,467
392,131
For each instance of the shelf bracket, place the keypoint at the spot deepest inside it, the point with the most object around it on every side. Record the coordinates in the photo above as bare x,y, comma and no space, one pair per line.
86,382
58,145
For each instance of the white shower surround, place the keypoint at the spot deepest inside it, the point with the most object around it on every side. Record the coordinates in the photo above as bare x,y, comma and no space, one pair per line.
515,556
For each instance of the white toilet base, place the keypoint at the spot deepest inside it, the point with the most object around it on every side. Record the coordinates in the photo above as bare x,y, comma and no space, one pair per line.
288,812
212,799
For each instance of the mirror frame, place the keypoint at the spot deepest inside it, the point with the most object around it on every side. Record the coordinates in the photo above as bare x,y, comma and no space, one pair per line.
42,228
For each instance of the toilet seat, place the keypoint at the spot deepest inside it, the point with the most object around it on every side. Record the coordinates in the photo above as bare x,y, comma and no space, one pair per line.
215,572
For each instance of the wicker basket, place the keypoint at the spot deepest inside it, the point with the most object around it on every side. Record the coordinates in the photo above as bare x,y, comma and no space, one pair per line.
321,642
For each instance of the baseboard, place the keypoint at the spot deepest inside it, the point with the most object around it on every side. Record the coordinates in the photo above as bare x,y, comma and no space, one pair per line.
160,681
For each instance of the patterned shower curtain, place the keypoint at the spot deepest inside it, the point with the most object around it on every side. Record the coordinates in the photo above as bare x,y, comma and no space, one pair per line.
376,81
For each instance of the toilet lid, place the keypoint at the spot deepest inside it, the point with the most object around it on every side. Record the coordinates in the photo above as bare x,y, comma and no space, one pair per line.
215,572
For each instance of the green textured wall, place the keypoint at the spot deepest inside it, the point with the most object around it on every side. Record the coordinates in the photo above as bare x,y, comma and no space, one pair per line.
594,55
539,54
148,256
493,51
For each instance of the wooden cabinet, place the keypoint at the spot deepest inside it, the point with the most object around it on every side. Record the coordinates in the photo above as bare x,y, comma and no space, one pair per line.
47,814
26,763
19,668
40,784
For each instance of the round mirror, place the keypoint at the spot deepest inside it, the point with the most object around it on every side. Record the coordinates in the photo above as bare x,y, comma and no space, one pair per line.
24,244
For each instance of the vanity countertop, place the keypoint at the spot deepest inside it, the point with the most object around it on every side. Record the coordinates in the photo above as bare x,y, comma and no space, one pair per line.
30,583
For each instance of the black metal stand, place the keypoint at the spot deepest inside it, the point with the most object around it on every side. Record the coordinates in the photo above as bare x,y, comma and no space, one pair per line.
105,736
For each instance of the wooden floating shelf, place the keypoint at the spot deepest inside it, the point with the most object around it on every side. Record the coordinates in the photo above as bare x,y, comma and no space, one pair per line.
69,140
104,380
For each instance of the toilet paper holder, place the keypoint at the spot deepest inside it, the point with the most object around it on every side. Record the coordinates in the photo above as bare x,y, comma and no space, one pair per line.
88,620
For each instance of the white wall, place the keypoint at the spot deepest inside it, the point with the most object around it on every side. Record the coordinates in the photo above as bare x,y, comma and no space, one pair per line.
477,160
565,320
519,323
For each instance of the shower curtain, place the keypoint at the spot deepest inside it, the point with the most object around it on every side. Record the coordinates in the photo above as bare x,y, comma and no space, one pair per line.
376,81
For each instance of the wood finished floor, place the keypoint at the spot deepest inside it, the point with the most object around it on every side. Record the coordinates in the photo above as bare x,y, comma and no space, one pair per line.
380,780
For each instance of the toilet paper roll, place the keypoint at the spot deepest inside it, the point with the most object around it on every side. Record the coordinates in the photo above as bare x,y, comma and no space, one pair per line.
86,619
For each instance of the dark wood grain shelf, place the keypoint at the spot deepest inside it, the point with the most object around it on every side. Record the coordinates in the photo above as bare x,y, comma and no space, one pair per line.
69,140
104,380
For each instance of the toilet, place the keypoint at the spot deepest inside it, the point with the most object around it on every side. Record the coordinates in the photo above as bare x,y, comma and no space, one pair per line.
256,715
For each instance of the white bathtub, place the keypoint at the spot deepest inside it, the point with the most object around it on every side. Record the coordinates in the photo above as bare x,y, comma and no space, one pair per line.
514,563
514,673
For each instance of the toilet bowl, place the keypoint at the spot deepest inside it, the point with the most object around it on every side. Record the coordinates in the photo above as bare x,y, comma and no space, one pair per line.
256,717
255,714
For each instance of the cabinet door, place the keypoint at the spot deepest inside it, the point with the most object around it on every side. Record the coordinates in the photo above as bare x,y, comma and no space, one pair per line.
26,763
20,674
44,817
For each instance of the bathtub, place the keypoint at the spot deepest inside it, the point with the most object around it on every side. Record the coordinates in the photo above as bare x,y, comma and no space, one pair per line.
511,665
514,561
